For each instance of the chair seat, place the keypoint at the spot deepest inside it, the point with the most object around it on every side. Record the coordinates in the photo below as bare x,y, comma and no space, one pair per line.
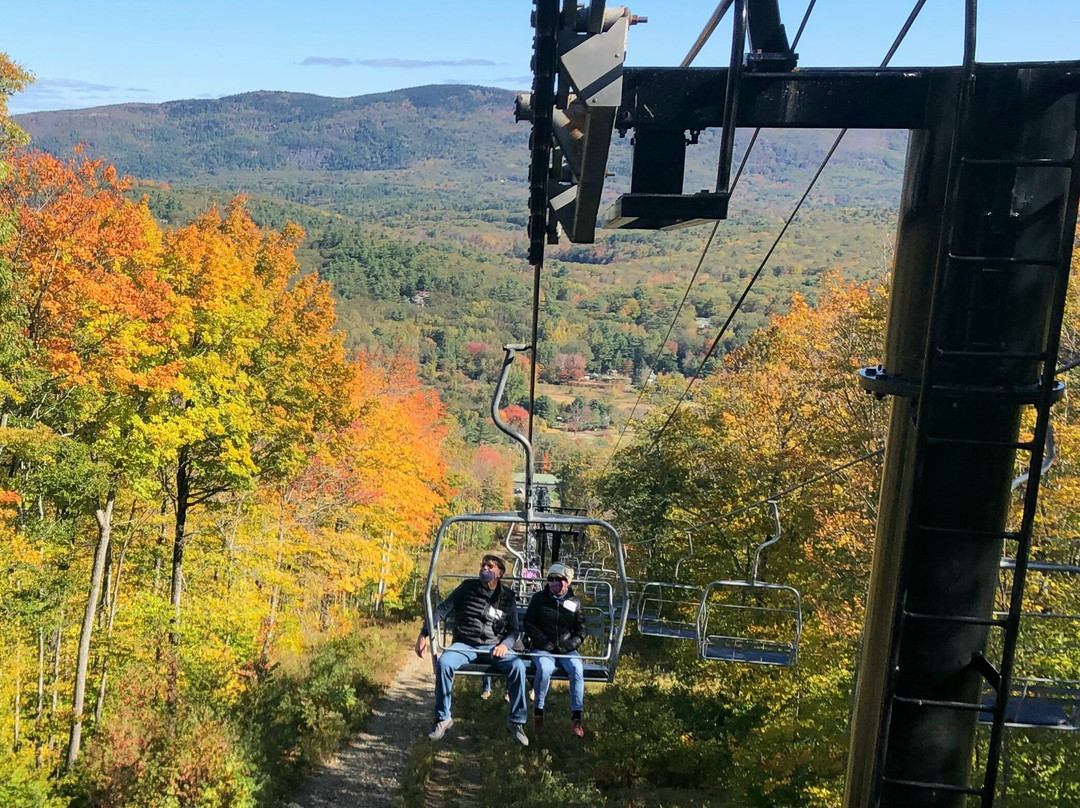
1044,707
593,672
664,628
759,652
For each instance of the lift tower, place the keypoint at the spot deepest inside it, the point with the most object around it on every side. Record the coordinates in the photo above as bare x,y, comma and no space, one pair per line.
984,242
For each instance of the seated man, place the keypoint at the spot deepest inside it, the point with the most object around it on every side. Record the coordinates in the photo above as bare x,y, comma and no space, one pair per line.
485,628
555,624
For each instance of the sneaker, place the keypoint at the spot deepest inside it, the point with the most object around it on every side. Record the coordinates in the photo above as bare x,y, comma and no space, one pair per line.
538,723
440,729
506,697
577,728
485,695
517,732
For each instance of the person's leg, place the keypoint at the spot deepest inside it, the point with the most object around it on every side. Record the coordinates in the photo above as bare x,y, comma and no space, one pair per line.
450,660
485,688
545,666
513,668
575,672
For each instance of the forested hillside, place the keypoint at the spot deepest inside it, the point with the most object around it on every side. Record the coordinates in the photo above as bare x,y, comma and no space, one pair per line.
414,205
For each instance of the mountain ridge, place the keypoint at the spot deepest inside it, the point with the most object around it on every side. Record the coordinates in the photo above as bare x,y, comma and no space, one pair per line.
267,130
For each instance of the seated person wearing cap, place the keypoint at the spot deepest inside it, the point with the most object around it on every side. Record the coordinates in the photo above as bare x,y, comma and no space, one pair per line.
555,624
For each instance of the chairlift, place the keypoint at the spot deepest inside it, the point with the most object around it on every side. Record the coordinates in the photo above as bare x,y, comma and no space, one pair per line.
669,608
751,621
605,611
1037,704
601,584
1041,701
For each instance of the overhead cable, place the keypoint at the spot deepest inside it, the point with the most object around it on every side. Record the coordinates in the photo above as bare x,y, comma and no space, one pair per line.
779,494
721,9
764,261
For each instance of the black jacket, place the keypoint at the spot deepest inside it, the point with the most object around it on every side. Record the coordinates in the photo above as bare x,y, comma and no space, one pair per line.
482,616
556,625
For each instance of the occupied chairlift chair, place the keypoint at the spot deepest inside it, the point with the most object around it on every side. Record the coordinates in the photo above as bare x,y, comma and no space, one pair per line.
606,624
751,621
670,609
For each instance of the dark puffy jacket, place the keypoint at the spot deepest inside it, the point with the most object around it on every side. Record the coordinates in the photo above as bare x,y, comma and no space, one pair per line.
482,616
554,624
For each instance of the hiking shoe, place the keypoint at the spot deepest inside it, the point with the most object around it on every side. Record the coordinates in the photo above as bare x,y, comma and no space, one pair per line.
517,732
538,723
485,695
440,729
577,728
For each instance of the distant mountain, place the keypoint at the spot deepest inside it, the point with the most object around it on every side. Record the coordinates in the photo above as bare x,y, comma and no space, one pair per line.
415,203
275,131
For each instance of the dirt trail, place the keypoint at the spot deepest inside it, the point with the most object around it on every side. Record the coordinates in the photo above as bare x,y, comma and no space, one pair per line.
366,773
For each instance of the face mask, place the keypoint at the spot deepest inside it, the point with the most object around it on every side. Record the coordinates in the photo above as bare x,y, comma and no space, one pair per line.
487,576
556,587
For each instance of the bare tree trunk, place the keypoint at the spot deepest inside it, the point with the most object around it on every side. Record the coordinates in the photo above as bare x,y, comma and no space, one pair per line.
183,492
57,637
39,713
275,593
104,521
18,698
271,621
102,617
111,607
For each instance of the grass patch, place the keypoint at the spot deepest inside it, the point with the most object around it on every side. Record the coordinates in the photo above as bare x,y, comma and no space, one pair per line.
647,745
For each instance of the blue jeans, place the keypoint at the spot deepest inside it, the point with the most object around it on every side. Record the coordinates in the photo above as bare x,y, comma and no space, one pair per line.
460,654
575,670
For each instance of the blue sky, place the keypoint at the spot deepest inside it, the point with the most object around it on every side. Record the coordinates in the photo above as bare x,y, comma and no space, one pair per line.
113,51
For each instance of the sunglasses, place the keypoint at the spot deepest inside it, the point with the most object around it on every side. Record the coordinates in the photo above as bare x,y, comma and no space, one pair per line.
555,578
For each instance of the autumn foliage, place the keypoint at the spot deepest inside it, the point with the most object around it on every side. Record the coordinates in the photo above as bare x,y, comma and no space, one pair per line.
198,484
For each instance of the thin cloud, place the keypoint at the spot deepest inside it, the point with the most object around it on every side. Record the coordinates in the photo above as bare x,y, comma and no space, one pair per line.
393,62
62,93
69,85
414,63
326,61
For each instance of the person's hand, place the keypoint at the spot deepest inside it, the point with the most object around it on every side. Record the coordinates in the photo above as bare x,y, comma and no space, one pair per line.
499,651
421,646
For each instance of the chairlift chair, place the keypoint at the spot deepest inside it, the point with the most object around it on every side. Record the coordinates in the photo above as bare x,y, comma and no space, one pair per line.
1045,701
605,623
1036,703
669,608
751,621
601,584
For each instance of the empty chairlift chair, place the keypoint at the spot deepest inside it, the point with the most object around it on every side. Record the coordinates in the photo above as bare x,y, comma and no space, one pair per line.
751,621
670,608
1047,694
